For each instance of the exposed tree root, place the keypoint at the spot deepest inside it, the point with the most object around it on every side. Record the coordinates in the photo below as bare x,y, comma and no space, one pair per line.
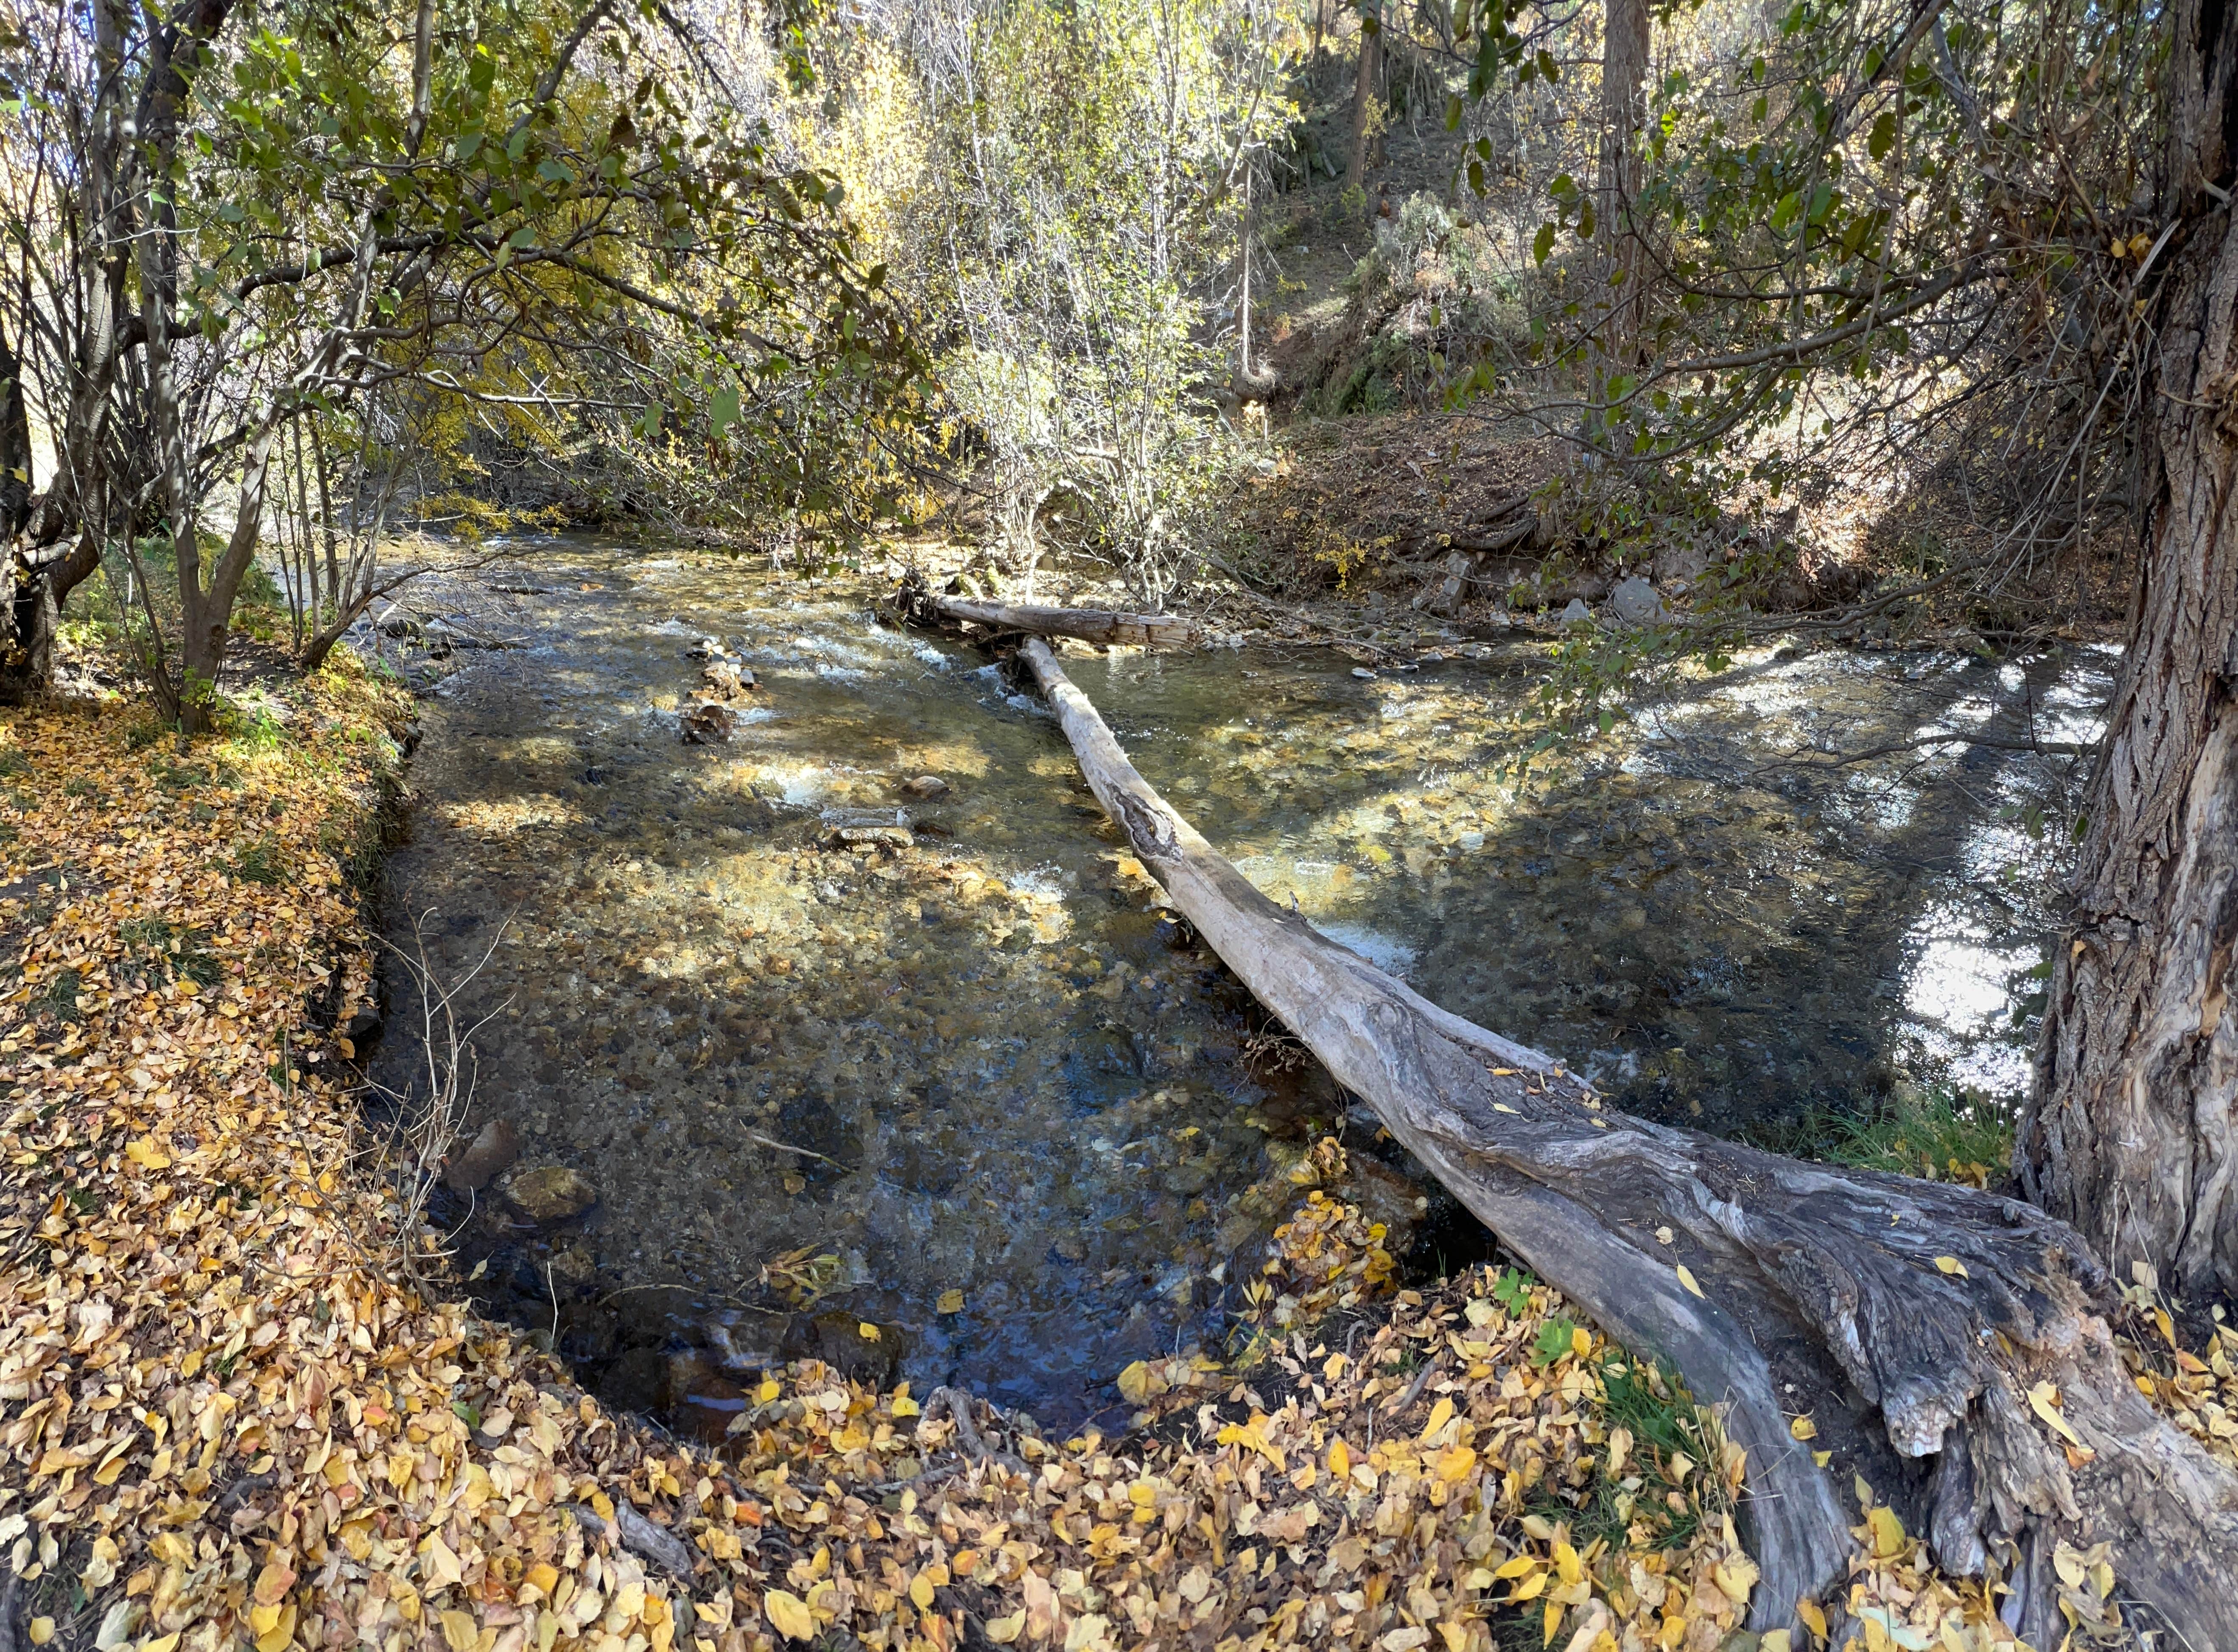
1943,1340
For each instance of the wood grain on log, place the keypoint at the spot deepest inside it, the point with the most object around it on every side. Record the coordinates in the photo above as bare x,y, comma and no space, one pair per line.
1913,1318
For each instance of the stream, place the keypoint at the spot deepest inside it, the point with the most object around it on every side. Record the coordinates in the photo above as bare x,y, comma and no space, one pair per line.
978,1108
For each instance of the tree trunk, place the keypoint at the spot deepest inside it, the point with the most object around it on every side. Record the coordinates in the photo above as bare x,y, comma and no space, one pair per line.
1917,1321
1625,41
2133,1134
1363,95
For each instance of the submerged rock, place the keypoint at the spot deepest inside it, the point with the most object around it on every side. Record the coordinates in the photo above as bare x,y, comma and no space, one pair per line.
551,1193
925,787
496,1145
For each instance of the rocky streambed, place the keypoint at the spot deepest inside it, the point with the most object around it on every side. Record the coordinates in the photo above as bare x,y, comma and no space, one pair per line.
820,1013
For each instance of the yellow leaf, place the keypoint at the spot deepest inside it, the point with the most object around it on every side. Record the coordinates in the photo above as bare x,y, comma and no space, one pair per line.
1340,1460
951,1302
1567,1564
2043,1400
1735,1578
1951,1264
789,1615
459,1630
1440,1414
769,1391
145,1153
1582,1341
349,1049
905,1406
1517,1567
2067,1561
1813,1619
1887,1532
1529,1588
1003,1630
1454,1464
162,1643
1554,1621
867,1331
443,1566
1822,1458
282,1634
920,1591
2167,1325
274,1582
42,1630
1137,1383
1804,1428
1687,1278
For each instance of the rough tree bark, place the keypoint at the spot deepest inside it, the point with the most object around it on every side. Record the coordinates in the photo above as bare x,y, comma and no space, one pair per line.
1914,1319
1363,93
1626,39
2132,1133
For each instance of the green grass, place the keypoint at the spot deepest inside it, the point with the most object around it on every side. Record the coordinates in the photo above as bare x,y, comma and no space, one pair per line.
259,862
1647,1399
1940,1131
155,945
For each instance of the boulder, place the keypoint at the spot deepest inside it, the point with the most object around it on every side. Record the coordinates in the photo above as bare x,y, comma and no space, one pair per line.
1577,612
1637,602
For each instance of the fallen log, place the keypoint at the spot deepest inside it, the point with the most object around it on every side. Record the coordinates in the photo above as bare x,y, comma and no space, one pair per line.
1943,1340
922,605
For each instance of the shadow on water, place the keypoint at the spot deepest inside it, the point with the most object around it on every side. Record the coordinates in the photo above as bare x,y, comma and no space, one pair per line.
975,1108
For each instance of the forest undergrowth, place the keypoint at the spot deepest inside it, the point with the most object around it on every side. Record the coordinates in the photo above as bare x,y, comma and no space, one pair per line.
244,1405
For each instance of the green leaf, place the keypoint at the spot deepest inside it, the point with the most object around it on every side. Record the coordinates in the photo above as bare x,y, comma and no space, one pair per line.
722,410
1883,136
1542,244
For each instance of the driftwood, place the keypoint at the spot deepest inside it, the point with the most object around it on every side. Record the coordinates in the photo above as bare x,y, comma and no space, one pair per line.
1918,1322
925,606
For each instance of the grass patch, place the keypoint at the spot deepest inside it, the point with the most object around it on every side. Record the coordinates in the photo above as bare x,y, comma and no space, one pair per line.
156,948
58,996
259,862
1940,1131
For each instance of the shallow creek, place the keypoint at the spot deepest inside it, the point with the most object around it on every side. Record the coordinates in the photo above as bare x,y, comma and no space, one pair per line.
982,1095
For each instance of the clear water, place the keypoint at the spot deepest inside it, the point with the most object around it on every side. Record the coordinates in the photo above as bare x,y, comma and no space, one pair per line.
1013,1082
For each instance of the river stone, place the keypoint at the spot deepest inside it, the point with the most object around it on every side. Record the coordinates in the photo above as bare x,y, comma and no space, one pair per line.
925,786
495,1147
709,725
551,1193
1577,612
1636,602
1676,563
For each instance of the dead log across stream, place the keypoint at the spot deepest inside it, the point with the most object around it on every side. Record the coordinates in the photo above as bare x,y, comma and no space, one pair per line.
1918,1321
1103,626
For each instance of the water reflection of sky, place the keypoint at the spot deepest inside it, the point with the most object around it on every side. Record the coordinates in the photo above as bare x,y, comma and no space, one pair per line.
1019,1089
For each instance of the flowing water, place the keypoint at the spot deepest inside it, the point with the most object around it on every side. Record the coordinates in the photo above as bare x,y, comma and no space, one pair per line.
975,1107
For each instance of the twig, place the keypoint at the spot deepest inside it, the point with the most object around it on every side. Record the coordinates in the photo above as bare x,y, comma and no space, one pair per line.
1415,1389
958,1405
243,1488
787,1147
640,1536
